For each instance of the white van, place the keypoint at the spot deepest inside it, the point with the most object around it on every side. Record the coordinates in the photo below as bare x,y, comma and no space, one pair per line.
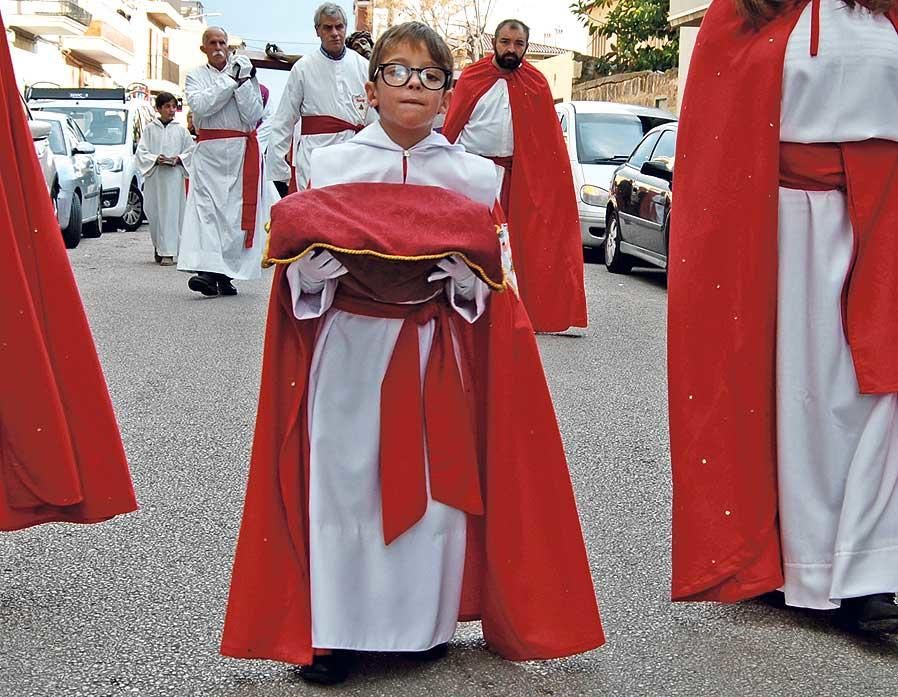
113,124
600,136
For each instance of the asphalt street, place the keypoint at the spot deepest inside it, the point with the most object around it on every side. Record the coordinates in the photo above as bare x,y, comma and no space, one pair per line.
135,606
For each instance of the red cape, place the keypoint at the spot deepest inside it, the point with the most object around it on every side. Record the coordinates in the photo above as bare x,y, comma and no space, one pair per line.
61,456
526,571
543,222
722,312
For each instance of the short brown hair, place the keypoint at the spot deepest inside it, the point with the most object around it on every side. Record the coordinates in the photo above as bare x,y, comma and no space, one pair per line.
513,24
760,12
164,98
412,33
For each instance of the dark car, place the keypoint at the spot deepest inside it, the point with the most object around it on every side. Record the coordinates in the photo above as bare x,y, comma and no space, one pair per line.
638,213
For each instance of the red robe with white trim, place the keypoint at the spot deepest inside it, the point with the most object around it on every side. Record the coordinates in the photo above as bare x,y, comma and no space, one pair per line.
526,572
722,307
61,456
543,221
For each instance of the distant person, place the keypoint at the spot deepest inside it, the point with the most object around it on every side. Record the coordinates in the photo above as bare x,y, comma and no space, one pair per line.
503,109
163,155
325,95
61,455
223,235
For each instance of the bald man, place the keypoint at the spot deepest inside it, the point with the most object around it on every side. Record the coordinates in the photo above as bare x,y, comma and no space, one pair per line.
223,234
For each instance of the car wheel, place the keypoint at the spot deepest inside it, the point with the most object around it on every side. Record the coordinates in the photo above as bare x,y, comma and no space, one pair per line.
71,233
133,215
615,260
95,227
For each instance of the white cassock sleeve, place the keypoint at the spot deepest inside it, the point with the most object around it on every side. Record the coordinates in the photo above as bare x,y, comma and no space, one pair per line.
308,305
207,100
185,151
249,102
145,157
469,309
288,113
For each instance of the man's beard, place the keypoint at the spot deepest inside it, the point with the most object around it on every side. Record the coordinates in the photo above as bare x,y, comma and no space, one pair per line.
509,61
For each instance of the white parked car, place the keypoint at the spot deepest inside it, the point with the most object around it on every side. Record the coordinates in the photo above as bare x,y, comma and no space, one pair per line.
76,188
600,137
113,124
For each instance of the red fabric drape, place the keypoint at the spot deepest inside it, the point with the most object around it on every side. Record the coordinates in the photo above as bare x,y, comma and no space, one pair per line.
543,221
722,294
61,455
250,176
312,125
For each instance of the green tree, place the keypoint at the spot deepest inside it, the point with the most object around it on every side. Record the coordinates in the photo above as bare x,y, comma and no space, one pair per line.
641,36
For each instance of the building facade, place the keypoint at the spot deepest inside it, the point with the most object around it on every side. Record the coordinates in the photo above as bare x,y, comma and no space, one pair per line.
686,16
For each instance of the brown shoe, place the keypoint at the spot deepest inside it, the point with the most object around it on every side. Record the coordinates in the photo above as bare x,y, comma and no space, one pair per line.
167,261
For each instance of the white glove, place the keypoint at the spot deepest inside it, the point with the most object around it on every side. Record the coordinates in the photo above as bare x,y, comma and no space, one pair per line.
464,280
242,67
316,268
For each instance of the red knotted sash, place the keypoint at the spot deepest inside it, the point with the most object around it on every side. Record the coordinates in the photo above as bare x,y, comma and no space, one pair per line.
443,416
319,125
251,159
868,174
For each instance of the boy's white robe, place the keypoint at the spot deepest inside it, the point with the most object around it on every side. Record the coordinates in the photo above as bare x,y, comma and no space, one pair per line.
365,595
211,237
164,193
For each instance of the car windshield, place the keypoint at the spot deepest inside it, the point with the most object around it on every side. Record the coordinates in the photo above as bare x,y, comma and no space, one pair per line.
607,138
101,126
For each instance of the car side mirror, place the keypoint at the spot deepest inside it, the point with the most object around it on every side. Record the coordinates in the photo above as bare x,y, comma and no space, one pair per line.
40,130
82,147
658,168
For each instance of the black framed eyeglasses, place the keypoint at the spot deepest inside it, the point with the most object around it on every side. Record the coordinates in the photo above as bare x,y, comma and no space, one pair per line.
398,75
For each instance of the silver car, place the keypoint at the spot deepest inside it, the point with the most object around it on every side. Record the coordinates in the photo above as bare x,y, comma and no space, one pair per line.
78,185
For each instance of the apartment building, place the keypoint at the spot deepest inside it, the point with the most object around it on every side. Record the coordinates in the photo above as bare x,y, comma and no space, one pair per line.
686,16
104,43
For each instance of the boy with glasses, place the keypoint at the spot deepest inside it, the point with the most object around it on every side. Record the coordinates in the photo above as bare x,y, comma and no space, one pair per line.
407,468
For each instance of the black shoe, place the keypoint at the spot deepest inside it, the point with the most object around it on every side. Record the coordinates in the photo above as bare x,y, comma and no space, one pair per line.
203,283
437,653
327,670
225,287
871,613
156,256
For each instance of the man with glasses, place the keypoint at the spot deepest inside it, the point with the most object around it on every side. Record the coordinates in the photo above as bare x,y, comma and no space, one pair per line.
325,94
503,109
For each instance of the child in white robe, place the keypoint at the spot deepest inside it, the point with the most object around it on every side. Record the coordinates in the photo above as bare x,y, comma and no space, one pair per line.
163,155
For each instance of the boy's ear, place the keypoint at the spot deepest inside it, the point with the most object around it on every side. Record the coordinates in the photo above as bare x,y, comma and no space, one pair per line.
371,92
447,100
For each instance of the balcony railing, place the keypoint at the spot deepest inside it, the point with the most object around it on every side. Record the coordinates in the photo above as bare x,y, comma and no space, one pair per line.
51,8
170,71
102,30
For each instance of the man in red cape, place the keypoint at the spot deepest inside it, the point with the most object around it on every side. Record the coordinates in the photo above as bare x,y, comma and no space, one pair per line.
537,190
61,456
723,299
525,572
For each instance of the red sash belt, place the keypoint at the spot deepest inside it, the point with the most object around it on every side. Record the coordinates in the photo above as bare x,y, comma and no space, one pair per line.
442,415
320,125
506,163
868,174
250,176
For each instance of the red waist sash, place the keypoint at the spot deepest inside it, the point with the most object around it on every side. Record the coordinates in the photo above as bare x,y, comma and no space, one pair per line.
250,176
442,415
319,125
506,163
868,174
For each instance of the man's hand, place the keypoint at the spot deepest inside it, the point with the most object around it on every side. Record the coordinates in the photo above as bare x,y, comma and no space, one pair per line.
316,268
161,160
456,269
243,69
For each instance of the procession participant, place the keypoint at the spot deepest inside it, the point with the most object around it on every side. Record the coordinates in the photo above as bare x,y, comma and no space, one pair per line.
382,541
162,157
324,96
503,109
784,363
362,43
223,235
61,455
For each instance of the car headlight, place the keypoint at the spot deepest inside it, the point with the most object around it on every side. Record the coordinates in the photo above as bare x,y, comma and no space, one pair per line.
594,195
111,164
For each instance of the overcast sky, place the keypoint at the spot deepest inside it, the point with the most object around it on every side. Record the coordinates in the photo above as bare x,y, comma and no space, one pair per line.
289,24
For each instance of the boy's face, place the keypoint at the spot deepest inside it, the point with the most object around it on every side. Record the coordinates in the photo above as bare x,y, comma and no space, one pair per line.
412,107
167,111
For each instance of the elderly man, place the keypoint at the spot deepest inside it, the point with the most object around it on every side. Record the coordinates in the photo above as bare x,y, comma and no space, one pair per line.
326,94
223,234
503,109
